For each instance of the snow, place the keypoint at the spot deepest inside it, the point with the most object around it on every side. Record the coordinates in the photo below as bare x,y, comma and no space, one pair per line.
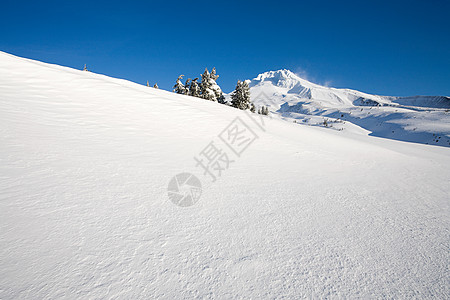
304,212
420,119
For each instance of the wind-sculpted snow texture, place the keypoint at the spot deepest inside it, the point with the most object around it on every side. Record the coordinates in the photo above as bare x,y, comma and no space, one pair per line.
85,164
420,119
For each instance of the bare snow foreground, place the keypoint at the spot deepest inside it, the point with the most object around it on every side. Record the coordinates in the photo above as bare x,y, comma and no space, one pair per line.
85,161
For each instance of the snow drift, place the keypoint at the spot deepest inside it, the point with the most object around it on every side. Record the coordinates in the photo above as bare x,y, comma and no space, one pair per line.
303,212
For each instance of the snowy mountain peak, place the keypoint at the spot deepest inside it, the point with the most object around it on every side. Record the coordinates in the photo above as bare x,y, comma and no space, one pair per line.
282,78
282,73
411,119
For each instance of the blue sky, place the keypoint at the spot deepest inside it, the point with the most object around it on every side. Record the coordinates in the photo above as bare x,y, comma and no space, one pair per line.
380,47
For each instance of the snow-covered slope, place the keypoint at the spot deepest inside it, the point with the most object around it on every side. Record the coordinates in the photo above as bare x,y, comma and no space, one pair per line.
303,212
422,119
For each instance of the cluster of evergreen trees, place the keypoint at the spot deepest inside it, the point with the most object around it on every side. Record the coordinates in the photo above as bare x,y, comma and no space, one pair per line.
264,110
208,89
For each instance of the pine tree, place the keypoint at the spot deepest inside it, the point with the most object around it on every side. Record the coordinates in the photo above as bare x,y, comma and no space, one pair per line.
215,87
240,98
222,100
210,90
85,68
148,83
179,87
213,75
252,107
187,86
194,89
205,87
156,86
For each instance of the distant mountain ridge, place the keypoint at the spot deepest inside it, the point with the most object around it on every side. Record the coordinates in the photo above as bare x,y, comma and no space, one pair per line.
422,119
294,84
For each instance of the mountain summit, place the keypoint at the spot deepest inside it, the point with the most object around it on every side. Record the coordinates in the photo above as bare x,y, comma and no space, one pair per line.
283,78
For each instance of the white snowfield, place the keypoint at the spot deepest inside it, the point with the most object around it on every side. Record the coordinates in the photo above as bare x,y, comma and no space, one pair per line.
304,212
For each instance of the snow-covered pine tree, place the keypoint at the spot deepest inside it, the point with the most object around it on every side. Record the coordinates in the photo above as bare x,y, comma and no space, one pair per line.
236,96
187,86
222,100
240,98
252,107
179,86
215,87
213,75
85,68
194,89
205,87
156,86
148,83
259,111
